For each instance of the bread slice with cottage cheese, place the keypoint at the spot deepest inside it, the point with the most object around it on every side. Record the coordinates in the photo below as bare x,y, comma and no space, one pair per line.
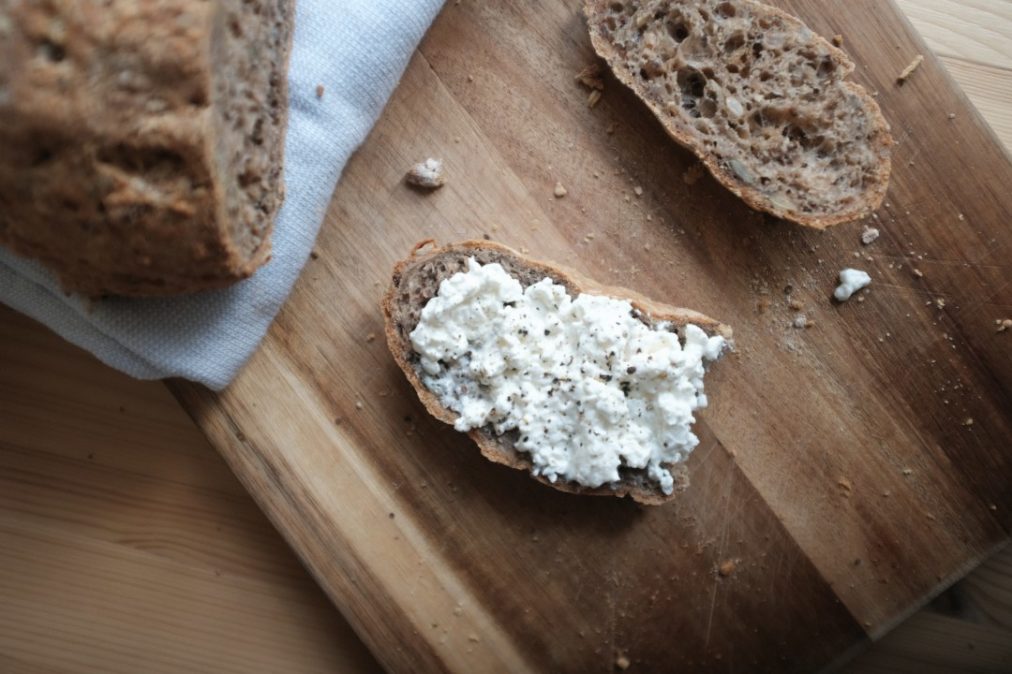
418,279
761,99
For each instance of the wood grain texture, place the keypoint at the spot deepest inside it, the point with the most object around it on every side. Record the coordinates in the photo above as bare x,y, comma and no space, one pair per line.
876,398
966,629
176,516
126,544
971,37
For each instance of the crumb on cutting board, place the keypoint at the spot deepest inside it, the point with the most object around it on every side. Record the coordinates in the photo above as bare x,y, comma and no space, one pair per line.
593,98
622,662
726,568
869,235
427,174
590,77
560,190
1003,324
909,70
319,91
693,173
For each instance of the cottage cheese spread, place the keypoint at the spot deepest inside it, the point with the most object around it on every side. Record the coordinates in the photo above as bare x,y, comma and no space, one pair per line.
851,280
587,387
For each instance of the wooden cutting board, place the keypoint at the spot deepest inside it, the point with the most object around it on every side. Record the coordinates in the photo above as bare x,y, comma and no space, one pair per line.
846,472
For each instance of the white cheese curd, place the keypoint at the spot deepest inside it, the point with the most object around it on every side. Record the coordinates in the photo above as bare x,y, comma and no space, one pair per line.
851,280
587,387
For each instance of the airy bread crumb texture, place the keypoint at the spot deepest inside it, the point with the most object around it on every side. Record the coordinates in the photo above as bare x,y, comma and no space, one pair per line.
759,97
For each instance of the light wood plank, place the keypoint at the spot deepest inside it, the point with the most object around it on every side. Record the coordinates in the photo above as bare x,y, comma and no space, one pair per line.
970,30
126,544
990,90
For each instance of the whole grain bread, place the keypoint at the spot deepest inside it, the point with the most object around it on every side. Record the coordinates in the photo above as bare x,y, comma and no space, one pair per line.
416,280
761,100
141,140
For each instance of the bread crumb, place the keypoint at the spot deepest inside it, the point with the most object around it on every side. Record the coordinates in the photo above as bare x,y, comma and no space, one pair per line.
968,421
909,70
427,174
371,337
590,77
693,174
918,273
795,305
1004,324
869,235
622,662
727,567
638,190
940,303
845,485
470,78
560,190
473,638
837,40
800,322
952,115
908,471
319,91
313,255
993,507
359,405
594,98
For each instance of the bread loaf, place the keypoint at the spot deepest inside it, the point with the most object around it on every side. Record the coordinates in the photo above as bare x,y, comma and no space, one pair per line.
141,140
417,279
762,101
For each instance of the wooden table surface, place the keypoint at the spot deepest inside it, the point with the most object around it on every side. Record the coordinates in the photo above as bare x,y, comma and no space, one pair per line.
127,545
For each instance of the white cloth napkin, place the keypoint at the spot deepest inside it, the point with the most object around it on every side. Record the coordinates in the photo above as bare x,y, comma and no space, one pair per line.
357,49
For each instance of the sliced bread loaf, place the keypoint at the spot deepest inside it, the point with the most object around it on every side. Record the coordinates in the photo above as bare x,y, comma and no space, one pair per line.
761,100
417,280
141,140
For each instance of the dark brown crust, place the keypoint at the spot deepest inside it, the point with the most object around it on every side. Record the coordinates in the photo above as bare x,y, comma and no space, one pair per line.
108,170
594,11
500,448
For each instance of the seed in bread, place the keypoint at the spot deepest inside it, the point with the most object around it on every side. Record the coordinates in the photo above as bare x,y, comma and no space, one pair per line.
762,100
141,140
592,390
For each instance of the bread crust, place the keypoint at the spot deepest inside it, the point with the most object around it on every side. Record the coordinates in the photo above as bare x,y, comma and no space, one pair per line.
595,12
112,172
499,449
